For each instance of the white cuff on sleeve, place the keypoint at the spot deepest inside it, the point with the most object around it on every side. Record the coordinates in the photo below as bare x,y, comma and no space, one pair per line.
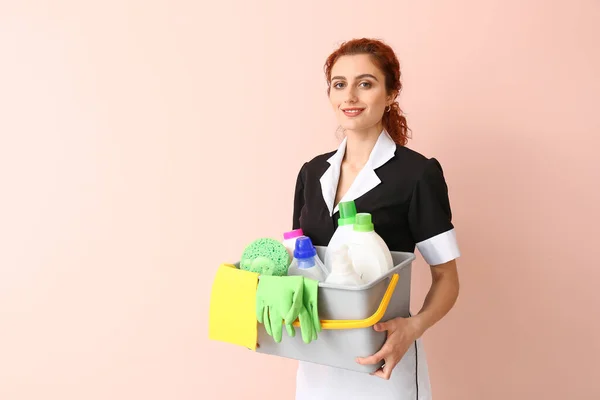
440,249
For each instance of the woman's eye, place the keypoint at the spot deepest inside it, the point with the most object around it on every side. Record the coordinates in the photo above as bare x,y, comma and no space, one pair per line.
339,85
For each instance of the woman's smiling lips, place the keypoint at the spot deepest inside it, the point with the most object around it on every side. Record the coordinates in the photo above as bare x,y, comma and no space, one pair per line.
352,112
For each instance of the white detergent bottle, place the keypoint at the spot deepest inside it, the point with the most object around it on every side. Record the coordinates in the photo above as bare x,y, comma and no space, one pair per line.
342,234
289,240
369,253
306,262
342,270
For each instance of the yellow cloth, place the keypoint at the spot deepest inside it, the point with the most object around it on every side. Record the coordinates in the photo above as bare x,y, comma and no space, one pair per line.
232,314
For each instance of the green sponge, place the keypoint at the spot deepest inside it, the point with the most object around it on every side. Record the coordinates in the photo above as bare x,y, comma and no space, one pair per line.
266,256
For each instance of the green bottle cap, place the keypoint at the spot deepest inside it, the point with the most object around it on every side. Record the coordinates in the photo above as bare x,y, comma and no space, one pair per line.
363,223
347,213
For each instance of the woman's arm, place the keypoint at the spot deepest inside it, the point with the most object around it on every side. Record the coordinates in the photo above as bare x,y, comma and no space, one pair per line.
441,296
402,332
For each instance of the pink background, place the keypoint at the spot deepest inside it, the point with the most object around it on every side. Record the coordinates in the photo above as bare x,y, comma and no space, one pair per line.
142,143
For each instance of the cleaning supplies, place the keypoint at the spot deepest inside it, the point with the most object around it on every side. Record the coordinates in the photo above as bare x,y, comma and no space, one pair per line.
342,270
306,262
232,307
310,324
278,302
289,240
369,253
266,256
343,233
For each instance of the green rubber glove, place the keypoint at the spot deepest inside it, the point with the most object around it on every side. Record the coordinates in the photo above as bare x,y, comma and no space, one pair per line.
310,303
279,302
306,326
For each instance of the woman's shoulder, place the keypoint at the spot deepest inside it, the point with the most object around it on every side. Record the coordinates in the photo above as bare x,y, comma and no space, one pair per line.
408,155
416,165
414,159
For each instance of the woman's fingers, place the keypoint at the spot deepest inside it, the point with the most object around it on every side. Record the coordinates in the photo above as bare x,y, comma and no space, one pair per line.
382,326
375,358
385,372
387,356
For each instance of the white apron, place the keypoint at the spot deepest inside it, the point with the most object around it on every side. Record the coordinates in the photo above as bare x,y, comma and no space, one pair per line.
409,381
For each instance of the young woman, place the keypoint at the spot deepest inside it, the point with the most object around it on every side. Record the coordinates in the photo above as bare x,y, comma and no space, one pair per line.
406,194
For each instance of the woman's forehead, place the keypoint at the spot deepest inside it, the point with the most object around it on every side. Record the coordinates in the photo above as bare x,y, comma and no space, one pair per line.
351,66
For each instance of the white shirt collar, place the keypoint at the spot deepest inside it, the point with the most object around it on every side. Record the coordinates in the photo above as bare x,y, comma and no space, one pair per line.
367,179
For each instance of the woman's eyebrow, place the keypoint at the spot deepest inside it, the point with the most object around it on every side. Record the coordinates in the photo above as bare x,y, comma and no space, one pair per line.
358,77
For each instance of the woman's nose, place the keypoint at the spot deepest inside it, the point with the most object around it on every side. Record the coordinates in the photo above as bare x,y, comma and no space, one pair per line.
350,96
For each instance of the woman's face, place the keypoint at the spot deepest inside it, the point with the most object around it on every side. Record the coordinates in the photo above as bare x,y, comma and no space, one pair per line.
358,93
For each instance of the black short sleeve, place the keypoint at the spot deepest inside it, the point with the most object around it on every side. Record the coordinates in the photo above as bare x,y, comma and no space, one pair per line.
299,197
430,216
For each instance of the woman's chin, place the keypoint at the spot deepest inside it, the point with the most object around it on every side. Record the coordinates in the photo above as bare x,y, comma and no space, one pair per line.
352,125
356,126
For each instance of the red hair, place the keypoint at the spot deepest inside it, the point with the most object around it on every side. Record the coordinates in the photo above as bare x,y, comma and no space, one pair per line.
385,59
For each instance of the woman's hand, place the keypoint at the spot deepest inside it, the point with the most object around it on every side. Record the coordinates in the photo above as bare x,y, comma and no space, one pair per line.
401,334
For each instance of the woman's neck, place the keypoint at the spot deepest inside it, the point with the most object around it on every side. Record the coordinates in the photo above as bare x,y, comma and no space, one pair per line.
359,145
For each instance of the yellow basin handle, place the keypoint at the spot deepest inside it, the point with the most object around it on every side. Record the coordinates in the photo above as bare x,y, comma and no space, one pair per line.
362,323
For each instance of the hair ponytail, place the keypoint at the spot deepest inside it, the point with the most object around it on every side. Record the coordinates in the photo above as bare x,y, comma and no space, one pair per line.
394,122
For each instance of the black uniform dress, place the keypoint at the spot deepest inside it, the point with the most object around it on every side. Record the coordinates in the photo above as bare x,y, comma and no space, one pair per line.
407,196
